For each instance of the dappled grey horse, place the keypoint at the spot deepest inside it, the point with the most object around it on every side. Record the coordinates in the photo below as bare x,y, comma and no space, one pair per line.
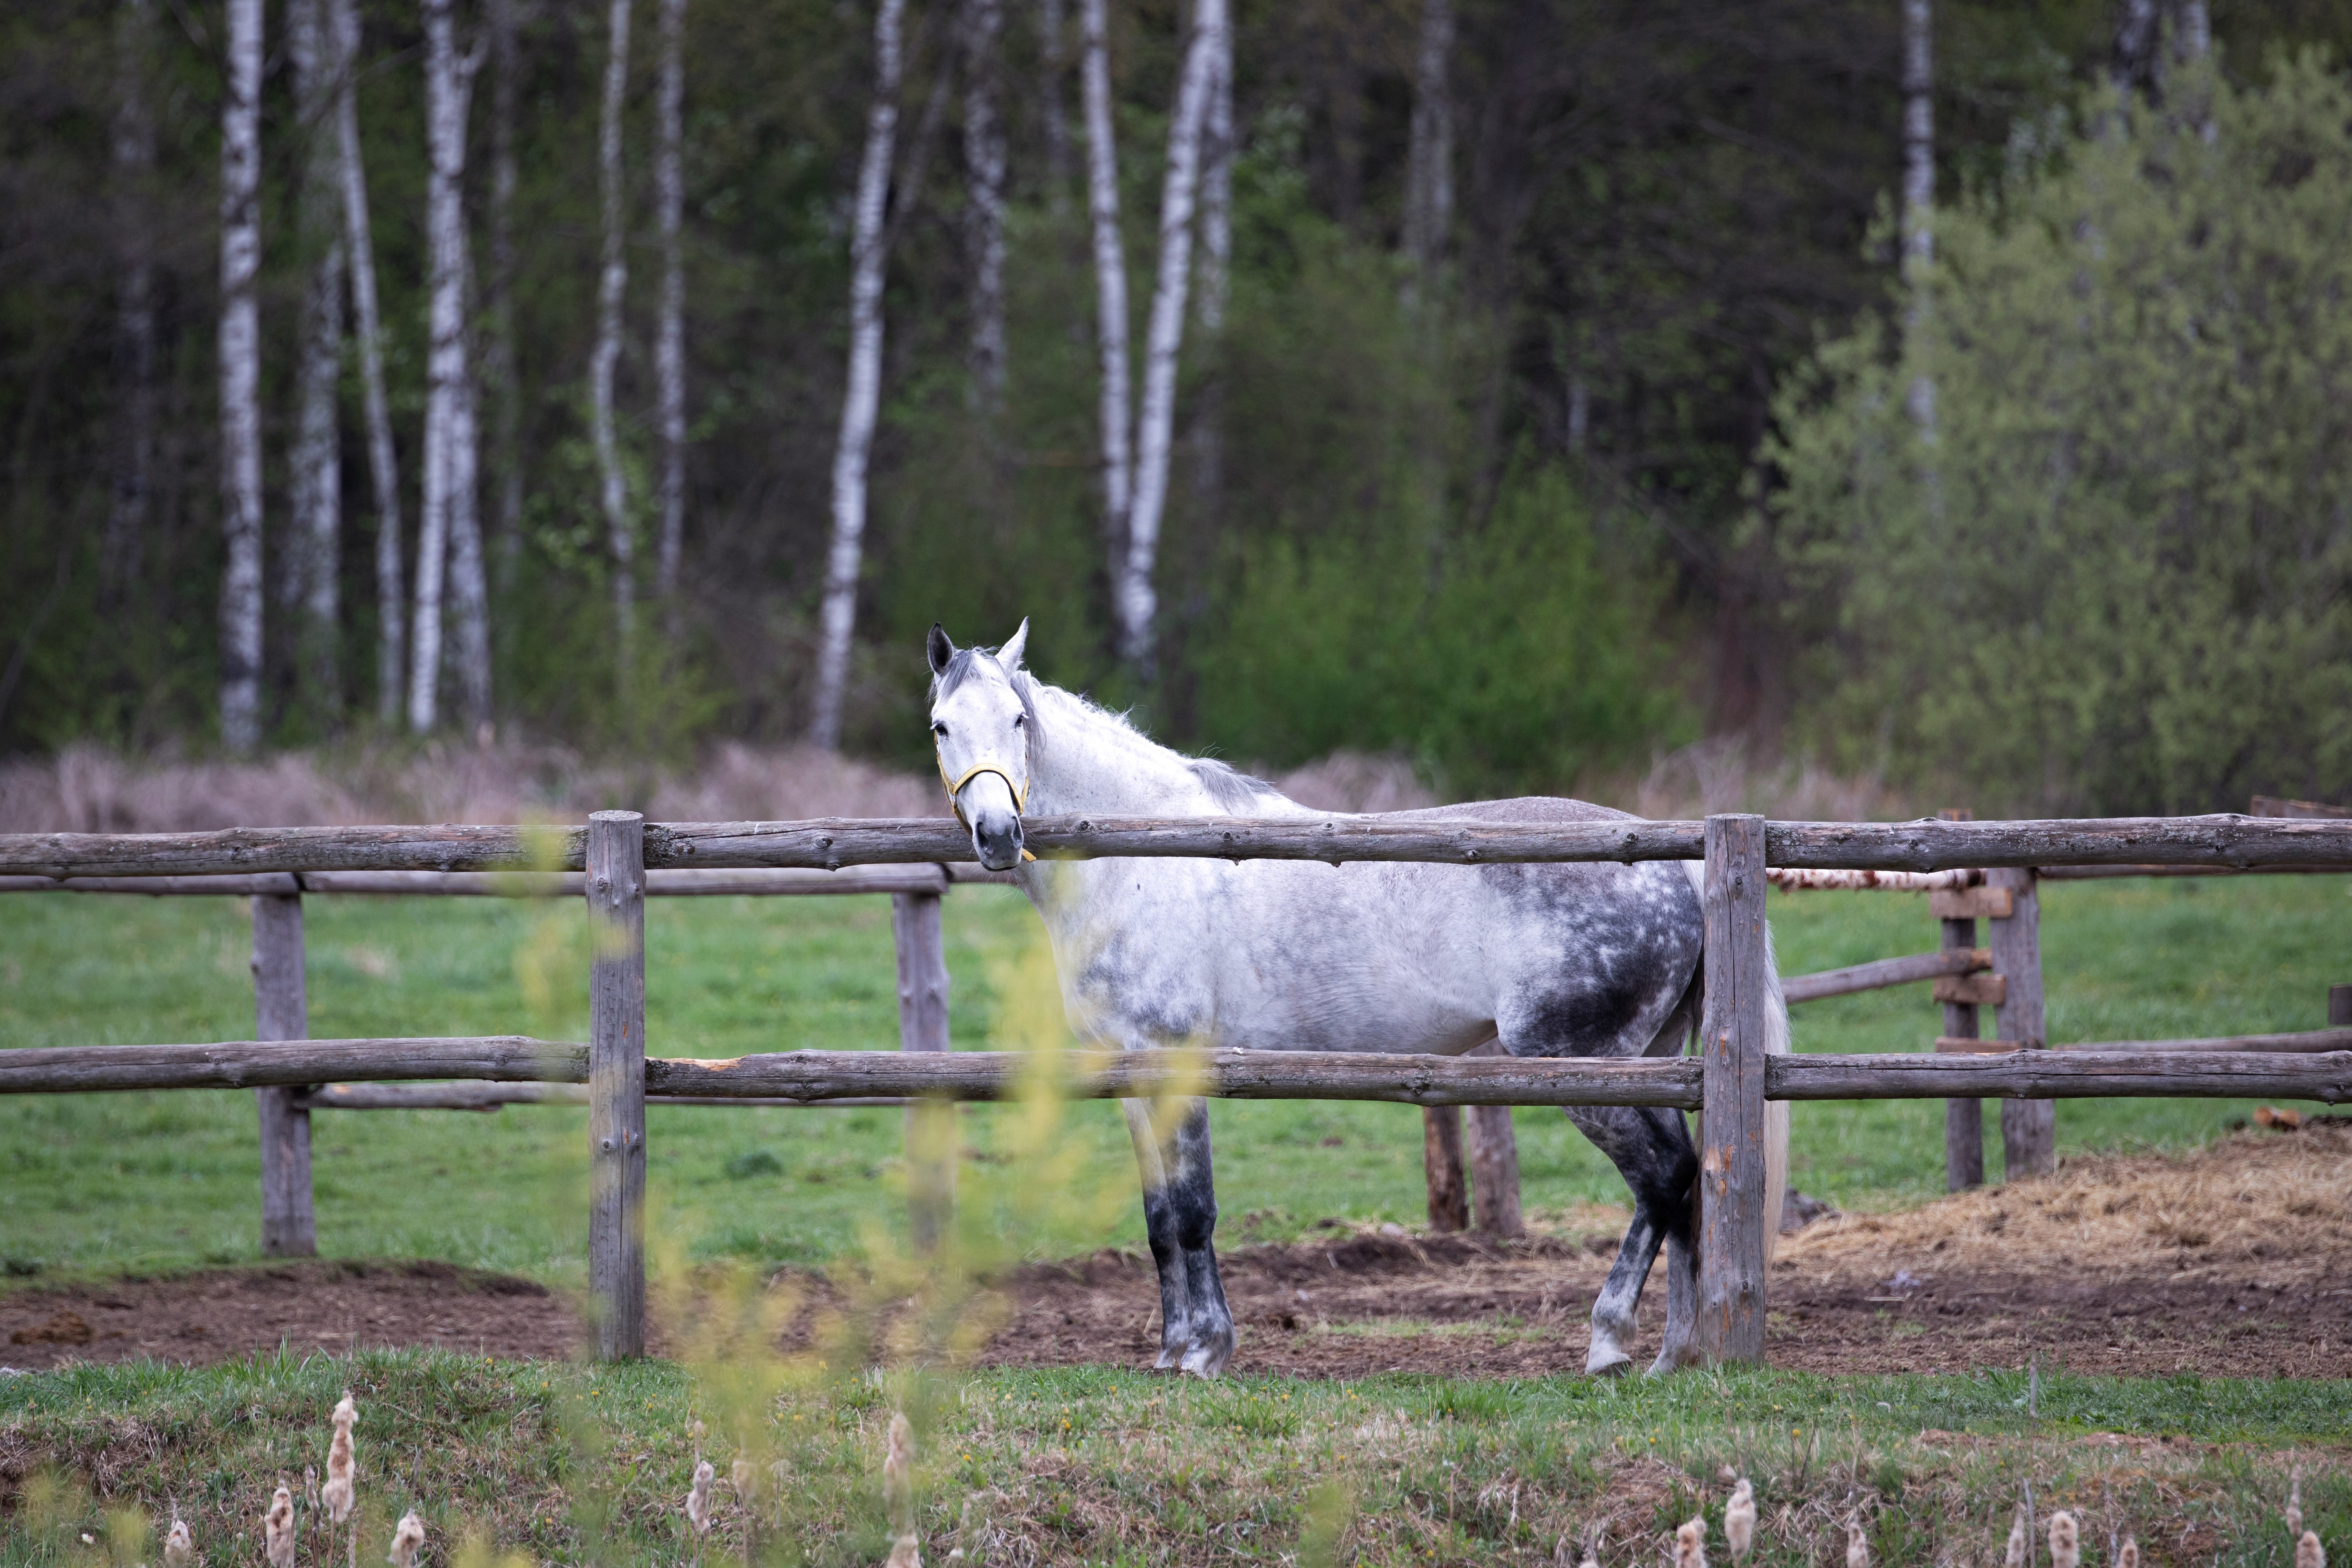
1595,960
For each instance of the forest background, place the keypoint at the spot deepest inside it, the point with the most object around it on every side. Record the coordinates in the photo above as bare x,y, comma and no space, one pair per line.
1600,389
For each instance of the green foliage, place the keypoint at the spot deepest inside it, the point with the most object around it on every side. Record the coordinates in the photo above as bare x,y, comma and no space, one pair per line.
2116,578
1507,658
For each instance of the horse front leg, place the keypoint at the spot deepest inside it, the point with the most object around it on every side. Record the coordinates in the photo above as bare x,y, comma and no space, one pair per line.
1193,1203
1159,1228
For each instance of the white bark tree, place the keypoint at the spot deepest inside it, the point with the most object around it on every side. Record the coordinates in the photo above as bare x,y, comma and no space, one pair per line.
670,338
613,284
1216,271
1429,150
133,150
447,514
1110,285
505,384
383,468
240,380
315,476
1919,186
1137,603
983,151
861,397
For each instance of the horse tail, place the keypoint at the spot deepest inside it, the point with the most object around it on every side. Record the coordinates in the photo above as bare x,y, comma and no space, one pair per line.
1775,1111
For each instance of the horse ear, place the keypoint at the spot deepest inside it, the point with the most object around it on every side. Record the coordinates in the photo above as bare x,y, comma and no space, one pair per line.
1009,656
939,649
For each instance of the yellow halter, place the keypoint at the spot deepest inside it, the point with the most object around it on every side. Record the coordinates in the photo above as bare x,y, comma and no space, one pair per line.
955,786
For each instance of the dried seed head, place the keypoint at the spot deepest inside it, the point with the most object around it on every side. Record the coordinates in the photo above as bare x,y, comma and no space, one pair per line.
2127,1555
342,1471
898,1477
697,1498
2309,1553
407,1541
1739,1519
745,1477
2016,1555
2294,1503
906,1551
2065,1541
179,1546
277,1528
1690,1544
1857,1545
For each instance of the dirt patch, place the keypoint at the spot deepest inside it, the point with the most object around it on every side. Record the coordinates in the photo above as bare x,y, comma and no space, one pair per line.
327,1306
2214,1262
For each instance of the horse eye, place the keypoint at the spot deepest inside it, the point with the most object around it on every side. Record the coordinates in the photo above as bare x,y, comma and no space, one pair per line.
939,729
1019,719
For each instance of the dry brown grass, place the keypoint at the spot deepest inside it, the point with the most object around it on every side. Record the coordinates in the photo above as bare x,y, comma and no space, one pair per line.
2273,1208
89,789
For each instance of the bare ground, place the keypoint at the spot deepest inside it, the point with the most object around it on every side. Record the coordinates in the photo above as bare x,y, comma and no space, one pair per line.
2236,1260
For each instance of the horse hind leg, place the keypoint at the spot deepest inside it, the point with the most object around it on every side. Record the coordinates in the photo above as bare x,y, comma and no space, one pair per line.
1192,1201
1652,1150
1160,1227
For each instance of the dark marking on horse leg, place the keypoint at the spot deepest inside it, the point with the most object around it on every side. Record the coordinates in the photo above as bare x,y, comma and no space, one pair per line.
1160,1227
1192,1200
1652,1150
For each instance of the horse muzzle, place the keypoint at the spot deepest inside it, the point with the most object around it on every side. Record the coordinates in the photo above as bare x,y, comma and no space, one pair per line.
997,840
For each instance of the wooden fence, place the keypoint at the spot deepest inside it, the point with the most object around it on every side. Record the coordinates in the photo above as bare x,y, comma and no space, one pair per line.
1728,1083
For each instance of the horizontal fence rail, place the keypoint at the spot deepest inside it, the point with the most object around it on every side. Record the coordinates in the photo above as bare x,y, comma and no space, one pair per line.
2229,841
707,883
823,1075
1882,973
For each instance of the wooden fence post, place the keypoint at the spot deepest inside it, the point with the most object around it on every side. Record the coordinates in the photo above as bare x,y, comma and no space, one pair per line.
1441,1159
1732,1230
2028,1127
1494,1164
1963,1119
289,1226
923,1027
2339,1006
616,1081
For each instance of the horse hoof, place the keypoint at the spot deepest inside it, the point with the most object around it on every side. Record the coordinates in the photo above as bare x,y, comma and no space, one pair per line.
1668,1362
1616,1365
1208,1359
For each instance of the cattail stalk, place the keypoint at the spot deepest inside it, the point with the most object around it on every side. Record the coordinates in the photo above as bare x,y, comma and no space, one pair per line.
2127,1555
1690,1544
2294,1503
179,1546
277,1528
1739,1519
407,1541
1857,1545
2065,1540
2309,1553
342,1469
899,1494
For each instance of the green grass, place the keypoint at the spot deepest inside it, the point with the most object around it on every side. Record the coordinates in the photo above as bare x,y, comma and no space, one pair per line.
168,1181
588,1464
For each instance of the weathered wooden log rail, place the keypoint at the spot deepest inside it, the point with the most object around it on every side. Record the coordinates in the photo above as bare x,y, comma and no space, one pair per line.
2228,841
823,1077
618,858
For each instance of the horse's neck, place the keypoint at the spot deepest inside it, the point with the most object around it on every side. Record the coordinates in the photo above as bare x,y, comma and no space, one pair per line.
1093,762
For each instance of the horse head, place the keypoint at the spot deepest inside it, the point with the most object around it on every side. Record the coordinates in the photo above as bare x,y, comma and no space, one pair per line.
983,726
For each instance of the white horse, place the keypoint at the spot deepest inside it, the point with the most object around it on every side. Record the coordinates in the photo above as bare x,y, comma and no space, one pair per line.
1599,959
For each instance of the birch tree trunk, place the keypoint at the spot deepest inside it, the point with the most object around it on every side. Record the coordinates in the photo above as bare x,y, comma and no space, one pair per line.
133,154
861,397
316,476
1919,188
983,151
498,353
612,285
670,338
448,413
1138,603
1429,152
1111,288
384,470
1053,28
1216,275
240,381
468,581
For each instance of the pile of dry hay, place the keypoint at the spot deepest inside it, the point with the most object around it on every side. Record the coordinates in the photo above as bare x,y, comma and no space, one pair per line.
2272,1208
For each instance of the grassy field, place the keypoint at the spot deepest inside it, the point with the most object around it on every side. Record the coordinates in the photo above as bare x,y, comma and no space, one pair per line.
590,1464
167,1180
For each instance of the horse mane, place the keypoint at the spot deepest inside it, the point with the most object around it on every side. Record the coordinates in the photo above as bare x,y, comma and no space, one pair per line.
1235,792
